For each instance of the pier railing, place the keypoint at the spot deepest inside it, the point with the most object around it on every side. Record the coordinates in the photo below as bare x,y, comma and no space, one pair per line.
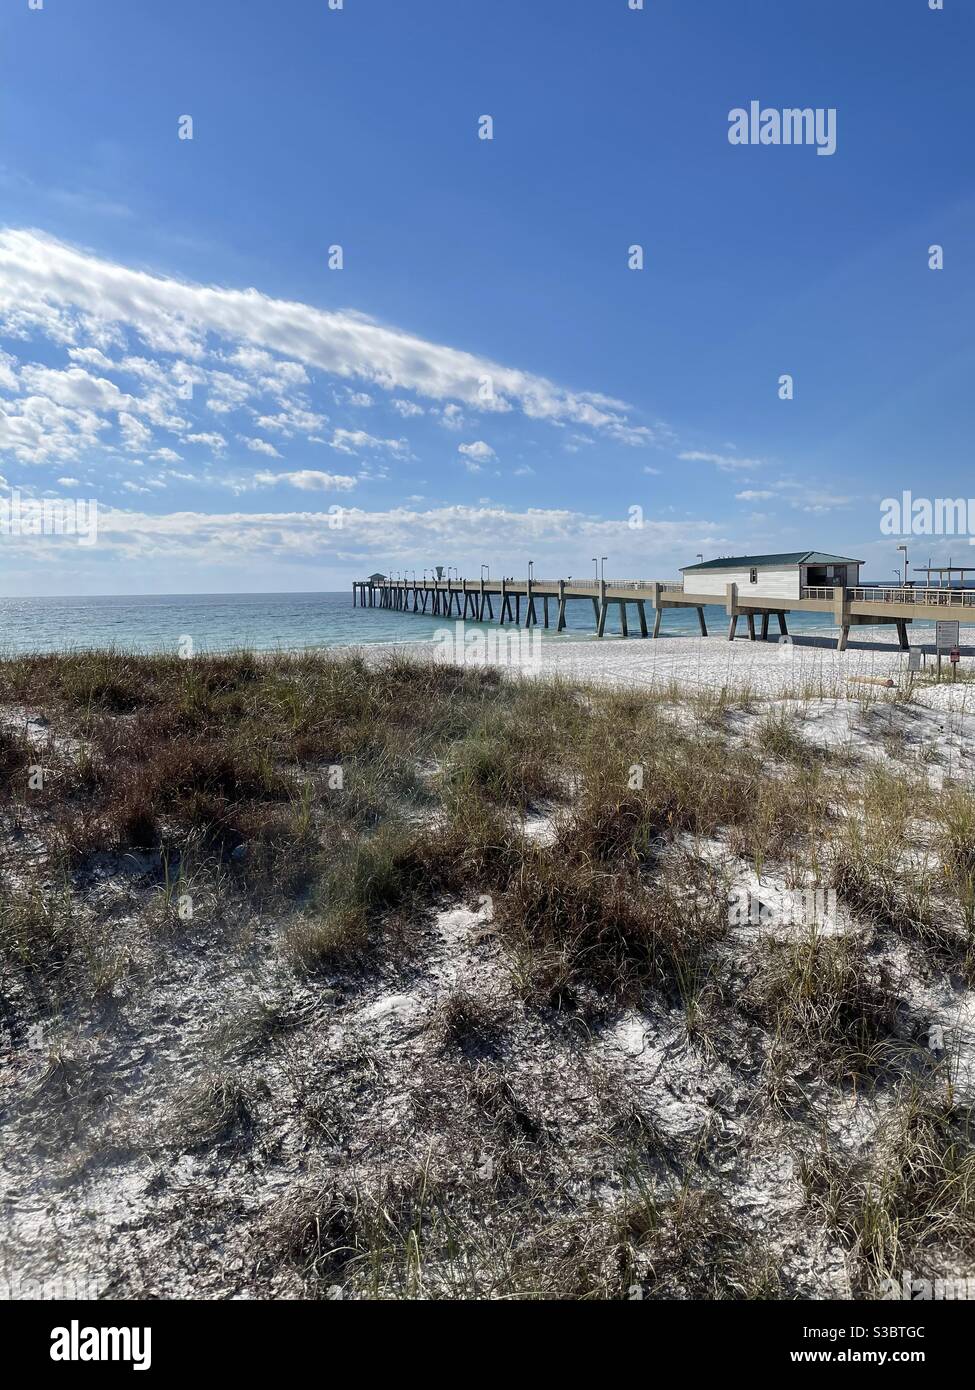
920,597
666,585
642,585
926,597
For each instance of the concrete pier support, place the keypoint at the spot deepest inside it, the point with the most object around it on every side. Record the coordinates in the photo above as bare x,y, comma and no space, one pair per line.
641,609
704,626
731,608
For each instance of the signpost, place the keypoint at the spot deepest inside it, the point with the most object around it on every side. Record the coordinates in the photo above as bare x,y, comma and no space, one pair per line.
946,639
947,635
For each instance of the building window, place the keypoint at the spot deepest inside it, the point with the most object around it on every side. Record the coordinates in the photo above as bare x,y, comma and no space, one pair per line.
753,576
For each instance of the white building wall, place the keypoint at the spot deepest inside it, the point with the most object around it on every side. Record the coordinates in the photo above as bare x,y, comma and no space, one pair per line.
772,583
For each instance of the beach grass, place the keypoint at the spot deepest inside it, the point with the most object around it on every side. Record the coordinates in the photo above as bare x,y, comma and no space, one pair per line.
408,916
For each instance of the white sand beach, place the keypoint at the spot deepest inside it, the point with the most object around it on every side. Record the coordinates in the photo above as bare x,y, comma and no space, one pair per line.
804,665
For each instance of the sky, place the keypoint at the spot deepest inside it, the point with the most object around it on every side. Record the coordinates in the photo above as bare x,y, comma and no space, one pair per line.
336,331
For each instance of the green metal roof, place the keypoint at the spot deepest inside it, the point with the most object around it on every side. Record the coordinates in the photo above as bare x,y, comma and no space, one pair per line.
791,557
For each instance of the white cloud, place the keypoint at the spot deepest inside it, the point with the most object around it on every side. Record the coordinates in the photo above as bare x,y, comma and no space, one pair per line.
399,533
136,437
92,357
753,495
478,451
293,420
76,388
226,393
728,462
46,285
308,480
259,446
349,441
38,430
273,373
406,408
8,373
216,442
346,396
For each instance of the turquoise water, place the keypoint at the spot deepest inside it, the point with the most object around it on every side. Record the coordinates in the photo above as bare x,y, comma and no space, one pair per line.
216,622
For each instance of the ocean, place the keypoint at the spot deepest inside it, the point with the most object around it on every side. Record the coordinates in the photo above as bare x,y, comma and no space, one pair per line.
265,622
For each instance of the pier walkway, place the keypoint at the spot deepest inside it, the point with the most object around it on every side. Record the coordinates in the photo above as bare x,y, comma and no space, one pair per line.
543,602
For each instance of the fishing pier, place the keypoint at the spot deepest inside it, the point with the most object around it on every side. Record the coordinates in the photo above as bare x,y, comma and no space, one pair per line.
755,589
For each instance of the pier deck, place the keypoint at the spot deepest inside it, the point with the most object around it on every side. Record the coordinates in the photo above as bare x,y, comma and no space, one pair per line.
542,602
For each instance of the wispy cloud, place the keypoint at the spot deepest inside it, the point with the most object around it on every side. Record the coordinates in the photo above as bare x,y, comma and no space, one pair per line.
729,463
49,287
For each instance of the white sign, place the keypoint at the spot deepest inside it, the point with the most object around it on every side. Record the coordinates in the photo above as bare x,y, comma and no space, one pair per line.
914,659
946,636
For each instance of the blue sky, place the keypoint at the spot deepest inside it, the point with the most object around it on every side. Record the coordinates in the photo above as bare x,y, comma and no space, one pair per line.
136,267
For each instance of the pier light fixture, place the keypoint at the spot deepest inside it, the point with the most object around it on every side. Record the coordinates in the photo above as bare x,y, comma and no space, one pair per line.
488,575
600,562
700,557
906,563
531,568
